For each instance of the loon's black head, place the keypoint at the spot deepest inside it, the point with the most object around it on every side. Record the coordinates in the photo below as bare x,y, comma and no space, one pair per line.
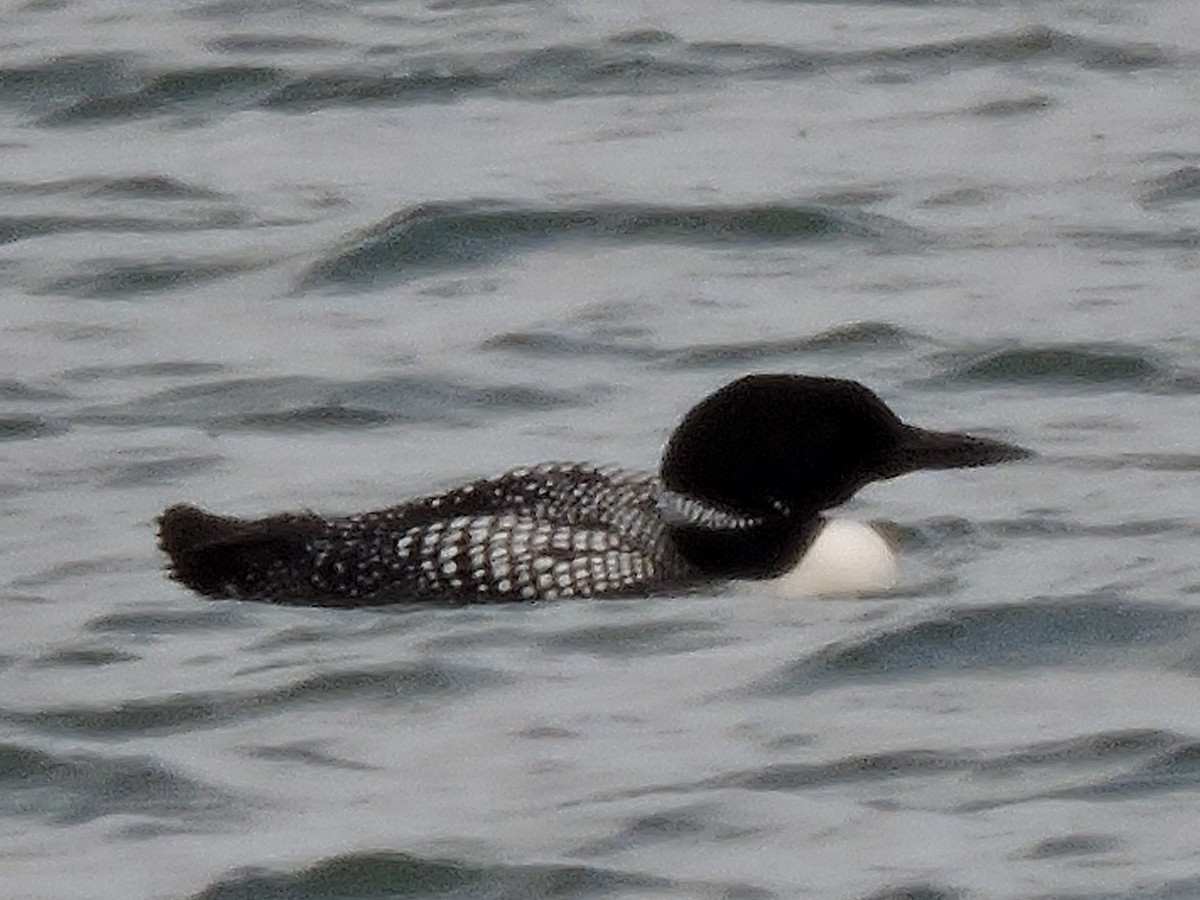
778,449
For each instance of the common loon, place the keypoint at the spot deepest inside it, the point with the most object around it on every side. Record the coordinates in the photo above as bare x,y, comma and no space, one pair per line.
740,493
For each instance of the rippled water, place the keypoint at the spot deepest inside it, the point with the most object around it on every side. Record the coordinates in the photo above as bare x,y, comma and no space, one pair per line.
264,255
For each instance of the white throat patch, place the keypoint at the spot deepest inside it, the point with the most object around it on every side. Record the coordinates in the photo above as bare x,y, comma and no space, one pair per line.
845,558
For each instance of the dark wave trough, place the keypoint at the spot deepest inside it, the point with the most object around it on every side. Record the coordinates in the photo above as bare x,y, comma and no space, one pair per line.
1095,630
386,876
181,712
440,237
75,788
1106,366
297,403
103,89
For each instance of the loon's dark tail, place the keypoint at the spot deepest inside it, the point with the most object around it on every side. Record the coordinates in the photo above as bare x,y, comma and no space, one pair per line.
221,556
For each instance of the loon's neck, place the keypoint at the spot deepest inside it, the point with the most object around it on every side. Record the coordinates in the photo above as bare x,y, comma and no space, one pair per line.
814,557
765,548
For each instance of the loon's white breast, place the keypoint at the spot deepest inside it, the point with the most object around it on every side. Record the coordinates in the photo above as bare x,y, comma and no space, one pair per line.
846,558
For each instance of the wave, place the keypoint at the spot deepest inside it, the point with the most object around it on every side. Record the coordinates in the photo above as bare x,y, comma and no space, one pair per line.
189,711
101,89
1177,186
74,788
1020,635
445,236
378,876
1083,365
1143,759
307,403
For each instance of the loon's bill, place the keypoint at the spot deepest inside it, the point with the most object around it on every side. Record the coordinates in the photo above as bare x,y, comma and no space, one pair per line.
740,493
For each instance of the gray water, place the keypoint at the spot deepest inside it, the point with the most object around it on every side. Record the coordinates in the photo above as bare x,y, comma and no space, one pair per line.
269,255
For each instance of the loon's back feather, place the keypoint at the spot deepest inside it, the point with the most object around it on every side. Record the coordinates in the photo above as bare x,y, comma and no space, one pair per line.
555,530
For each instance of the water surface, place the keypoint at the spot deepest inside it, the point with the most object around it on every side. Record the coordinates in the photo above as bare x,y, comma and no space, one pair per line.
267,255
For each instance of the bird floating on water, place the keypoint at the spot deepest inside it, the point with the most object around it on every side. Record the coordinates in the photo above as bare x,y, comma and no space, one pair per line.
740,494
